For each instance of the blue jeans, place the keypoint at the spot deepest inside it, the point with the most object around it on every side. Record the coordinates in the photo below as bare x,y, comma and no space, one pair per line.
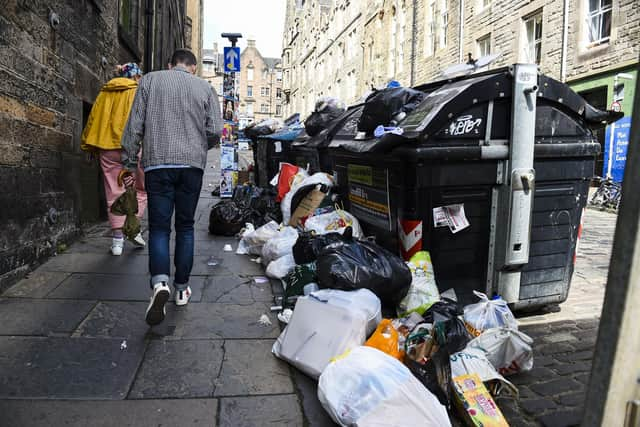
169,189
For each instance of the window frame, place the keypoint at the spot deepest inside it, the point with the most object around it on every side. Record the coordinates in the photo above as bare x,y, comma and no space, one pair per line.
600,12
249,91
430,30
536,42
479,43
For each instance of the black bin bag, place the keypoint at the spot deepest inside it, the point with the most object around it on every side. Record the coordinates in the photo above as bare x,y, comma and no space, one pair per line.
308,245
383,106
361,264
228,218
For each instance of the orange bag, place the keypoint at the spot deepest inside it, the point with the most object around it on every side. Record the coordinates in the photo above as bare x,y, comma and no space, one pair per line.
287,173
385,339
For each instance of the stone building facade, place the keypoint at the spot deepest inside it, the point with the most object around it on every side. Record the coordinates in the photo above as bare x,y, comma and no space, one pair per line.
343,47
54,57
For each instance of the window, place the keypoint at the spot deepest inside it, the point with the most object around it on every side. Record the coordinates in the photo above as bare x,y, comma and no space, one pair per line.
250,109
278,93
429,33
265,73
444,23
278,110
267,91
250,74
533,32
250,91
264,108
279,75
598,21
484,45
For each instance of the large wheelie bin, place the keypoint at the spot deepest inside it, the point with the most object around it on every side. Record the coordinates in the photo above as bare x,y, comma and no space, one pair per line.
516,149
271,150
312,152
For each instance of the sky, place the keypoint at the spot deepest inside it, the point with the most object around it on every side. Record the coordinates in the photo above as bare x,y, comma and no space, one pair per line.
262,20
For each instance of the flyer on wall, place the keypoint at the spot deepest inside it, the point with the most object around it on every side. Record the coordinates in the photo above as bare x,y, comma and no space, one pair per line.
227,157
228,183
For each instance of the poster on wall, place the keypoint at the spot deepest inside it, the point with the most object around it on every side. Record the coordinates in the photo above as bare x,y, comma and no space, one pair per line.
615,148
228,181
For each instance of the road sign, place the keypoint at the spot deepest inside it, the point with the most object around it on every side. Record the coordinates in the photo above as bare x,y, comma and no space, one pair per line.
615,106
231,59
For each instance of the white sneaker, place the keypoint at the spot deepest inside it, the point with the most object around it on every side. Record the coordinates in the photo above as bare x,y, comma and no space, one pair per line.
156,310
182,297
139,241
117,244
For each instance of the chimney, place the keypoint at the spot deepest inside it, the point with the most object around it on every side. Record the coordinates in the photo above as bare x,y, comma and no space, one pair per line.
251,42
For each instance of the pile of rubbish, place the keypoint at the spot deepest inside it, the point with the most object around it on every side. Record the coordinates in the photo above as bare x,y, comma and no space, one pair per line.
428,360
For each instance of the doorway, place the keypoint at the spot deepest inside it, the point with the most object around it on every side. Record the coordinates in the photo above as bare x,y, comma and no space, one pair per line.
597,97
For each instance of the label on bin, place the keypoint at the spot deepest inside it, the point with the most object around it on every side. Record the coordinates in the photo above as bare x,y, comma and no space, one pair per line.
369,195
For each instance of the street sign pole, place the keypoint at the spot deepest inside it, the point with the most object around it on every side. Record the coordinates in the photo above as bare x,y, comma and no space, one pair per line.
228,147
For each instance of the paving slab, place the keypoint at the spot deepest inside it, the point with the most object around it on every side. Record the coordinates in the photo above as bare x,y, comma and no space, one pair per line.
67,368
41,317
114,287
249,368
124,413
260,411
97,263
178,369
224,321
229,263
36,285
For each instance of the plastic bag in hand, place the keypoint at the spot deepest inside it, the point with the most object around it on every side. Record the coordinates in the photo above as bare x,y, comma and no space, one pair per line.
368,388
279,245
508,350
487,314
361,264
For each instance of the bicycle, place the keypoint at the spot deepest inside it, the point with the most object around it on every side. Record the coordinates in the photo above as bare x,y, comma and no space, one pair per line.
607,195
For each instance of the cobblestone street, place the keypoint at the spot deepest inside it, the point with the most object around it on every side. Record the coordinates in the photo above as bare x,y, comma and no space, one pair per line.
80,316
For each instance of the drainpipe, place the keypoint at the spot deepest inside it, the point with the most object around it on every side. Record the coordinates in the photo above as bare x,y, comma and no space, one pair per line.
413,43
565,36
461,34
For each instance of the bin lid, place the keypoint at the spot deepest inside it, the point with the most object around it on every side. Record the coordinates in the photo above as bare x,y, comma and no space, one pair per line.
285,134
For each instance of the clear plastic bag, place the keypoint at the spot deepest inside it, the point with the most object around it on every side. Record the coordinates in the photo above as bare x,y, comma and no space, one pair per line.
474,361
508,350
368,388
279,245
253,239
487,314
362,299
280,267
333,222
423,291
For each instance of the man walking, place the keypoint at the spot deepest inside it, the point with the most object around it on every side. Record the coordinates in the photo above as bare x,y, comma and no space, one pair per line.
177,119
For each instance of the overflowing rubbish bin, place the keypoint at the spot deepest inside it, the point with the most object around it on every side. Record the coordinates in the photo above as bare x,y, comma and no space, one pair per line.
312,152
271,150
490,175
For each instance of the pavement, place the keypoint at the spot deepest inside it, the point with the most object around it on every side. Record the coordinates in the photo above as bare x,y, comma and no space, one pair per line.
75,349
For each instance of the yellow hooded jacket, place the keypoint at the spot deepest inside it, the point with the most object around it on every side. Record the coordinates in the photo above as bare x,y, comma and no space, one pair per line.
109,115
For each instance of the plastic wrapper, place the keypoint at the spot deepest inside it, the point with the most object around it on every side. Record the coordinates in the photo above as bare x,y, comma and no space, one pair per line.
334,222
228,218
487,314
368,388
363,300
508,350
385,339
474,361
316,178
385,106
279,268
361,264
423,292
253,239
309,245
279,245
319,331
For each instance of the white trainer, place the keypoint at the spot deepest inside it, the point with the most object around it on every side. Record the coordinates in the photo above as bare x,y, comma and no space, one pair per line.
156,310
117,245
182,297
139,241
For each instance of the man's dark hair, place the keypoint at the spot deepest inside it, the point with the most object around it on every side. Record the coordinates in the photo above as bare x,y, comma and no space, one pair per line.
183,56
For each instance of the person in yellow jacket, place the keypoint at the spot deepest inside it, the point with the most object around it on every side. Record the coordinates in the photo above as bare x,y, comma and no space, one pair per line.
101,138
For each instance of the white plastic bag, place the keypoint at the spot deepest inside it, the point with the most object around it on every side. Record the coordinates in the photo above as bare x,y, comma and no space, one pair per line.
316,178
508,350
487,314
280,267
361,299
423,291
474,361
252,240
368,388
279,245
318,332
333,222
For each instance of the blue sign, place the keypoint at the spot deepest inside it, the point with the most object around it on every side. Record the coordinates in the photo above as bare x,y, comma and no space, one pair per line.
615,148
231,59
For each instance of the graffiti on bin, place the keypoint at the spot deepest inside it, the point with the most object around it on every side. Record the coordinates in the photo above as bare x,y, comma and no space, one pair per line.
465,125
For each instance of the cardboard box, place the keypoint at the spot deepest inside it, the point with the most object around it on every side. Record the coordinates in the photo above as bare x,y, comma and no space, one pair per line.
475,404
307,206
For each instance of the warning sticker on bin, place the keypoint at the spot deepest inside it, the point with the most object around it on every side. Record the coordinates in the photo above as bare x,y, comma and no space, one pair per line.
451,216
369,195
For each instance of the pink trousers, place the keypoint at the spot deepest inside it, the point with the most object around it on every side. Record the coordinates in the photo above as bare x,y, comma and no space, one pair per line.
111,167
